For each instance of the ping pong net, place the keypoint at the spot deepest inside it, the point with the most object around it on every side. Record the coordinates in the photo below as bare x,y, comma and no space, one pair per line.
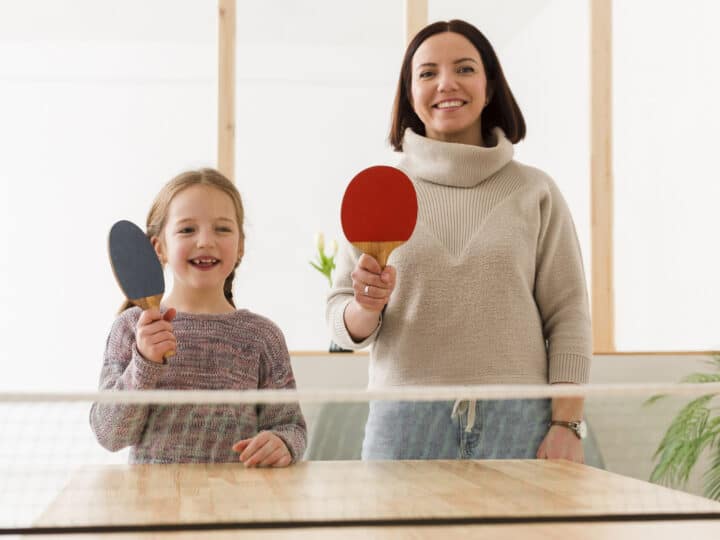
400,457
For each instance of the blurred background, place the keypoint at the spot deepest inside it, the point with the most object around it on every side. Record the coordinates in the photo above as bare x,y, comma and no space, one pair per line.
103,102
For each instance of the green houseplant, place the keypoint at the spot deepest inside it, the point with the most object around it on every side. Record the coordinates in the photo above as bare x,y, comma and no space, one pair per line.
695,428
325,264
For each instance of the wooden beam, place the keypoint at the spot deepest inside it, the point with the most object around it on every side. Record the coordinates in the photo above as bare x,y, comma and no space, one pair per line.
603,292
416,17
226,88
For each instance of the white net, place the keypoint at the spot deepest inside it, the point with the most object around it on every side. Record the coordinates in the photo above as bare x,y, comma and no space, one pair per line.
165,460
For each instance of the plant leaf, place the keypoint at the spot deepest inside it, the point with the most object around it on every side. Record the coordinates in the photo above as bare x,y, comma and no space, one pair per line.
712,477
653,399
702,378
685,439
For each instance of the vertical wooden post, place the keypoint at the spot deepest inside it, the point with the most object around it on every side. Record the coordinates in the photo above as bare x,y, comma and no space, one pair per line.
416,17
603,293
226,88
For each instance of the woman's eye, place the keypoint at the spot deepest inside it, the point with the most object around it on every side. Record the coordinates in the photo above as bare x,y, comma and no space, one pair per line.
426,74
466,69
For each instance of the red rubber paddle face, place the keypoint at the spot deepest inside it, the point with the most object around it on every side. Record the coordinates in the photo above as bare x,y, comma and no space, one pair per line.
379,211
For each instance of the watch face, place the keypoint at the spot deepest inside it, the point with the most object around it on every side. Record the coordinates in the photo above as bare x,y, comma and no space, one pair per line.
582,429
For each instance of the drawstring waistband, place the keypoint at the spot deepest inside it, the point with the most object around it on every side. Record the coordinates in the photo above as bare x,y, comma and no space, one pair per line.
465,405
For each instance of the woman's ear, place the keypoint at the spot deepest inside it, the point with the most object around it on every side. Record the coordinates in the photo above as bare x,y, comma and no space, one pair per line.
157,244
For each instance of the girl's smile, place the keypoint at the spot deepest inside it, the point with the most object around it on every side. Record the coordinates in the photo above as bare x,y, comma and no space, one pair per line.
204,263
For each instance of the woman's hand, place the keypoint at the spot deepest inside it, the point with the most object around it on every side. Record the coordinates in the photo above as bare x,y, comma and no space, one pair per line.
372,285
154,334
561,443
263,450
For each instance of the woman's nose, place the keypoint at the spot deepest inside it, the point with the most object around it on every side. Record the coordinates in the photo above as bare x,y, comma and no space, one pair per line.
447,81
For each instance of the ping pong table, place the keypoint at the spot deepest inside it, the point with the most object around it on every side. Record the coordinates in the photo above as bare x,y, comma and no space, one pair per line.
366,499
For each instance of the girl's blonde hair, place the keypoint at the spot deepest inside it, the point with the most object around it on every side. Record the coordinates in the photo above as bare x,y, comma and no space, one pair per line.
157,216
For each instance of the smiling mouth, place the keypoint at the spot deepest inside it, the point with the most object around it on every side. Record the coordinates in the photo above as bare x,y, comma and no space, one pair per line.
450,104
204,262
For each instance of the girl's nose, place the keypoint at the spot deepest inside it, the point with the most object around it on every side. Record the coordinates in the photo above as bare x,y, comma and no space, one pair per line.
205,238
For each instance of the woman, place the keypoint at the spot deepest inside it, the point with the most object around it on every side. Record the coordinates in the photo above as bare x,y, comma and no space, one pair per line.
490,289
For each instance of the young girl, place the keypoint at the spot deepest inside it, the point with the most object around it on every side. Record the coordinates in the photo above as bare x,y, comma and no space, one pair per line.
196,227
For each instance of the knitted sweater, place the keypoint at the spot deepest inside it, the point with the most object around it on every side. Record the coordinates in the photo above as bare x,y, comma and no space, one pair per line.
490,287
240,350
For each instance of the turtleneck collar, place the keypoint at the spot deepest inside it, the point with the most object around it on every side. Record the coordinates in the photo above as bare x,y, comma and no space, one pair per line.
453,164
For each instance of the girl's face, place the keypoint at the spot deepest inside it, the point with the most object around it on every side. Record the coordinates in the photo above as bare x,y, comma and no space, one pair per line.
449,88
201,239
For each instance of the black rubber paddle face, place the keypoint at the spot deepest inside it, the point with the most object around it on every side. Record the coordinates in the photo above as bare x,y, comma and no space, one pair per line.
136,266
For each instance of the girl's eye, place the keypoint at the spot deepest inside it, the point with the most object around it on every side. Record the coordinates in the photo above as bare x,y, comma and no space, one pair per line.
186,230
224,229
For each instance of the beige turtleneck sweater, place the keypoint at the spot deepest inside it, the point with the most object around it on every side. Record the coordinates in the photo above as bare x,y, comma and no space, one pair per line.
490,287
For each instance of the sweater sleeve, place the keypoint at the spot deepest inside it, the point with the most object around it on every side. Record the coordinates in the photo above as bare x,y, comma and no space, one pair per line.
561,292
340,296
117,426
285,420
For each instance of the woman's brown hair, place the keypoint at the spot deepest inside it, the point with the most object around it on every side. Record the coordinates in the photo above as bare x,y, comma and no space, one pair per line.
501,111
157,216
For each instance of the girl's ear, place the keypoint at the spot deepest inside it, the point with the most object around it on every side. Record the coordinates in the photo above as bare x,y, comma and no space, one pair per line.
157,244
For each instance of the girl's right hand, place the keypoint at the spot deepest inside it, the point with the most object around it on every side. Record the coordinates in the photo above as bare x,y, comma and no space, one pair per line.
372,285
155,336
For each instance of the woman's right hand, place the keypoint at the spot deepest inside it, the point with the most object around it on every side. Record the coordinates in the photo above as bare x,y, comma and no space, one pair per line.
372,285
154,334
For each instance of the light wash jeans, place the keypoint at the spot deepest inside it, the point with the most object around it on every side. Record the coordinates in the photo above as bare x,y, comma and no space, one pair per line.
500,429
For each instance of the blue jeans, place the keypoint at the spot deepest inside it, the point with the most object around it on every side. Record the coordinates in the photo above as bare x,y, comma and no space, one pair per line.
501,429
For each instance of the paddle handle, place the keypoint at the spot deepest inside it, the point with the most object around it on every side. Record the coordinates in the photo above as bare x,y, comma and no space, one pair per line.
152,302
380,251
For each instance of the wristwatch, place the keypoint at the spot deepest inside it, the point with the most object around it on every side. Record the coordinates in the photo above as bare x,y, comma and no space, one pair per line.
579,427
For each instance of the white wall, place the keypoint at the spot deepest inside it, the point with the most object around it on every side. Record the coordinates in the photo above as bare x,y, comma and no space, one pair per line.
666,178
101,104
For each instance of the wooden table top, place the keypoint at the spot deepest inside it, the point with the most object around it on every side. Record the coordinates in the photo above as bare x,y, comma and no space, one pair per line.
659,530
501,491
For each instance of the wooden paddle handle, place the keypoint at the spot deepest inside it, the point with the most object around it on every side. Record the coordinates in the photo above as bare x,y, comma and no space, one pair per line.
379,250
152,302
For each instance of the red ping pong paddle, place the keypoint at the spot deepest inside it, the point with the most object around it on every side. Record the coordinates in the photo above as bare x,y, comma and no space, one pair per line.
136,266
379,211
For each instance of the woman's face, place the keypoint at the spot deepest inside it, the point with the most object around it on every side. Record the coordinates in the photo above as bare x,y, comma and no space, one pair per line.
449,88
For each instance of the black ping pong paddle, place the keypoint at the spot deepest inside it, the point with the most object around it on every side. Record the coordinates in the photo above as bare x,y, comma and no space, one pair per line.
136,266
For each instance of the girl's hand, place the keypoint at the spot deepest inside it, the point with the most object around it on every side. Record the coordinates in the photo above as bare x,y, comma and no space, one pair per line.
263,450
372,285
154,334
561,443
